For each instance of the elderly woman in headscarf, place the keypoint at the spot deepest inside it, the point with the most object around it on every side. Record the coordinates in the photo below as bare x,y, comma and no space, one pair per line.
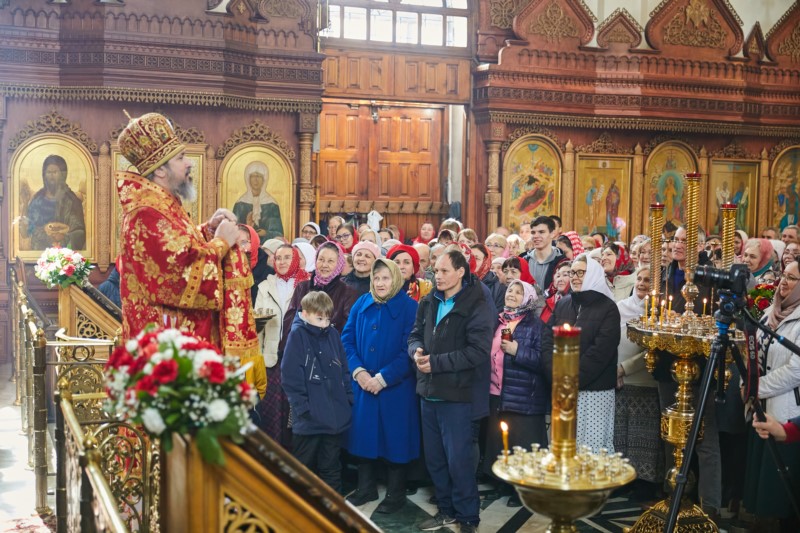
327,278
590,307
559,288
256,207
308,256
637,430
618,269
407,259
757,254
518,391
385,412
779,387
274,293
739,238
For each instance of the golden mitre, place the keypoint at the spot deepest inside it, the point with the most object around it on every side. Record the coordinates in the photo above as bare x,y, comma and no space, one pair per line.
148,142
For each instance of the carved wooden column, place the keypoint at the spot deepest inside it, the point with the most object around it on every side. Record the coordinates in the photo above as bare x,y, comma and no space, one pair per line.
105,198
210,184
639,219
568,187
492,196
307,128
764,218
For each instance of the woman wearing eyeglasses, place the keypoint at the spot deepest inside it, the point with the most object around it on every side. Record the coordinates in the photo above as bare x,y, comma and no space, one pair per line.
591,307
779,386
347,236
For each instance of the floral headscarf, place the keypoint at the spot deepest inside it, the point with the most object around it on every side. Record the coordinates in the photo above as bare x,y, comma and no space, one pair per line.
397,279
529,296
575,242
624,265
482,270
294,270
322,281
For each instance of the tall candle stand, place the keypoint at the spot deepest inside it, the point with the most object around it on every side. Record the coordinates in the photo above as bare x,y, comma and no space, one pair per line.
564,483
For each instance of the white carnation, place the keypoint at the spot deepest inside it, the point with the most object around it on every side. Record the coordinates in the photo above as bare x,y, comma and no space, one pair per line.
201,356
131,345
168,335
152,420
218,410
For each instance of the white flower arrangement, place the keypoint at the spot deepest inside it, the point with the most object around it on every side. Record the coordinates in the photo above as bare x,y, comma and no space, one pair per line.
60,267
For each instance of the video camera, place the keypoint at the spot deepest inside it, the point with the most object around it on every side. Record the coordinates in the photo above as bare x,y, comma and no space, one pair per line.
734,280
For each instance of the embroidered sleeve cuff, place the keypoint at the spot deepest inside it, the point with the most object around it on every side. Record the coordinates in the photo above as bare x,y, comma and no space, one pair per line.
380,380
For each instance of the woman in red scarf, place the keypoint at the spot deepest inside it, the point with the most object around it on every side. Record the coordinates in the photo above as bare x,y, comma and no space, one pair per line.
483,269
275,293
426,233
347,236
407,259
618,268
558,289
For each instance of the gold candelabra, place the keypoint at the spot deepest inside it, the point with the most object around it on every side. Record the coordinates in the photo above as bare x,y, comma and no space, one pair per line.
564,483
728,232
689,337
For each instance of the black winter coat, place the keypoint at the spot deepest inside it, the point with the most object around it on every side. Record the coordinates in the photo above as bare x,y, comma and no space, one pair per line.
497,289
525,389
598,317
458,345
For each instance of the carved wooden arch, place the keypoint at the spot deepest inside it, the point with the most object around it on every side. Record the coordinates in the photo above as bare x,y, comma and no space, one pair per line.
620,27
554,20
755,47
256,131
782,146
53,122
604,144
671,13
783,39
518,133
792,146
511,214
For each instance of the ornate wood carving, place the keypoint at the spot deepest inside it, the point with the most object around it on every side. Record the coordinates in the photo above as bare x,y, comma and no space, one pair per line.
281,8
783,145
709,24
256,131
754,45
604,144
502,12
790,46
661,139
161,96
528,130
734,151
620,27
553,21
53,122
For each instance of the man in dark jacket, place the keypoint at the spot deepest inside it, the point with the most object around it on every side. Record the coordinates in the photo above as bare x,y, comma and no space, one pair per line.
451,339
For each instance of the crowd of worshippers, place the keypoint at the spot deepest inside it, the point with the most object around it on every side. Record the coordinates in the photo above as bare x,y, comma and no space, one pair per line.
407,352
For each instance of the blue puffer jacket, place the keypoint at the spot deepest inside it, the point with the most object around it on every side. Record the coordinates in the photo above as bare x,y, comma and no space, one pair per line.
525,389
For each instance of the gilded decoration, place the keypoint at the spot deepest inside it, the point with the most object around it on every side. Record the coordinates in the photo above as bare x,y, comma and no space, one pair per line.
553,24
237,517
734,151
88,328
162,97
259,132
53,122
603,145
696,26
531,175
783,145
791,45
502,12
785,197
280,8
528,130
660,139
620,27
620,35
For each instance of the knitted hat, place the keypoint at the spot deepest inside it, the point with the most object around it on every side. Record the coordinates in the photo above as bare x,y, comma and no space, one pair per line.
149,142
404,248
369,246
272,245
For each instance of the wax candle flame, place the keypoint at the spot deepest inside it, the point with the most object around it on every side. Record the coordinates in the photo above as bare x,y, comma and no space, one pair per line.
503,426
566,327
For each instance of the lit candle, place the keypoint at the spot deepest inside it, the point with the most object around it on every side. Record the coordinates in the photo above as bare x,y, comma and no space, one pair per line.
653,304
670,306
504,429
705,301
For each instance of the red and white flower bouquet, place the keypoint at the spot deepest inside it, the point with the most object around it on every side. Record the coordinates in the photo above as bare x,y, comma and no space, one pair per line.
172,382
59,267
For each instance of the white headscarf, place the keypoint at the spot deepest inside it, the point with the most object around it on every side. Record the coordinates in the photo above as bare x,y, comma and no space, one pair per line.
256,198
309,253
595,278
630,308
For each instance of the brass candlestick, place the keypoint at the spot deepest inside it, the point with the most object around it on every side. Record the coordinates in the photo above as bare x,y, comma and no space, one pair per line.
690,290
656,227
564,483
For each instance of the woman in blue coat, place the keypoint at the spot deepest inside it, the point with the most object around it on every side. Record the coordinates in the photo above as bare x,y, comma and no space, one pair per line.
385,414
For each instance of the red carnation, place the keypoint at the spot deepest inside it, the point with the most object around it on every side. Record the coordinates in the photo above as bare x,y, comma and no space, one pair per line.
165,371
750,302
149,350
69,270
147,384
119,357
244,389
199,345
763,303
147,338
138,365
213,371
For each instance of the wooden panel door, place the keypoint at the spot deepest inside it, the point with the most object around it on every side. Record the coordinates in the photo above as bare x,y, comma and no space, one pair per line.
380,152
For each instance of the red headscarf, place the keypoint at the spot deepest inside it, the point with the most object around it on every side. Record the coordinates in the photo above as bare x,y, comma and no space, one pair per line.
624,265
467,251
294,270
255,242
419,240
525,272
575,242
394,251
482,270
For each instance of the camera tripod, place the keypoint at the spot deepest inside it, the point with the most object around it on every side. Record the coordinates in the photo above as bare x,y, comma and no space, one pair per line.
729,305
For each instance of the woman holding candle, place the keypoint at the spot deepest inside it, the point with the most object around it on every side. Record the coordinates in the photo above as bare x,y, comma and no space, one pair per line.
779,386
637,415
518,391
591,307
